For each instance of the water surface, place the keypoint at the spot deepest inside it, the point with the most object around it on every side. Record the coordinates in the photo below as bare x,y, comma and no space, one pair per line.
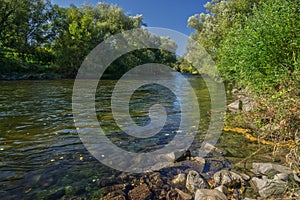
42,156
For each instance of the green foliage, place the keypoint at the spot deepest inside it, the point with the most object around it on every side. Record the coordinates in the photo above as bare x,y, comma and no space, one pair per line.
213,27
84,28
36,33
264,52
256,46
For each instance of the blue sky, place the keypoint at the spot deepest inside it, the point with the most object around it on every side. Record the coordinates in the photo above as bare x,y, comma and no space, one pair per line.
172,14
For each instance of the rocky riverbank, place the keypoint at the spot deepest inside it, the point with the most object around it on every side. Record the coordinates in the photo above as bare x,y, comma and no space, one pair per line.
205,178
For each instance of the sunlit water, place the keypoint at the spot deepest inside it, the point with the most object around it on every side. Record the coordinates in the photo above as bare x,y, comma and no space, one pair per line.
41,154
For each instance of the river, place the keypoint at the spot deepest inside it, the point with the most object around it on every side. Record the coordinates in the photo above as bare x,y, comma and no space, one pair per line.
42,156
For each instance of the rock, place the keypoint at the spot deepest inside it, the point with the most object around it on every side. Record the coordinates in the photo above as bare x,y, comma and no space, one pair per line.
117,187
179,155
222,189
180,179
270,169
209,195
245,176
235,91
214,164
115,195
209,148
296,177
183,195
228,179
282,176
141,192
198,160
269,187
235,106
247,103
297,194
172,195
195,181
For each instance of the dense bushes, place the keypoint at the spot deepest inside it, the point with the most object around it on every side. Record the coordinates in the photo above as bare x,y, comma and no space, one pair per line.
263,53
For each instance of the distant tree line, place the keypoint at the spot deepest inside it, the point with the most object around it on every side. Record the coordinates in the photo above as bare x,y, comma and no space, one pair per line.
39,37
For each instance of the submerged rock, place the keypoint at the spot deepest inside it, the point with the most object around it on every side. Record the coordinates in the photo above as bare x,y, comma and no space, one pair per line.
211,149
195,181
179,156
209,195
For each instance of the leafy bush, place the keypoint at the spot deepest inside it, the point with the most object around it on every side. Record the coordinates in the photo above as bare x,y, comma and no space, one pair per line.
263,53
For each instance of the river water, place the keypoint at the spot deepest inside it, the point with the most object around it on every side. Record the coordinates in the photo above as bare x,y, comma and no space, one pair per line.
42,156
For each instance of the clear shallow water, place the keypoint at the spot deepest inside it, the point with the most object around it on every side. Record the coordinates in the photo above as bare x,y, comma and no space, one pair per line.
41,154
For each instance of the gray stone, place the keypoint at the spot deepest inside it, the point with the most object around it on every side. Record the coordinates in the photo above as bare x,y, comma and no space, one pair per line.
245,176
198,160
180,179
195,181
228,179
179,155
247,103
222,189
183,195
270,169
296,177
269,187
282,176
209,148
208,194
235,106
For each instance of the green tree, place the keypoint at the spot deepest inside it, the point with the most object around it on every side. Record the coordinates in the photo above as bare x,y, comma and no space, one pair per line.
26,25
84,28
213,27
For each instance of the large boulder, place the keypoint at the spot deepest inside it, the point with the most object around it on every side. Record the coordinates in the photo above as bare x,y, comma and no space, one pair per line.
195,181
209,195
